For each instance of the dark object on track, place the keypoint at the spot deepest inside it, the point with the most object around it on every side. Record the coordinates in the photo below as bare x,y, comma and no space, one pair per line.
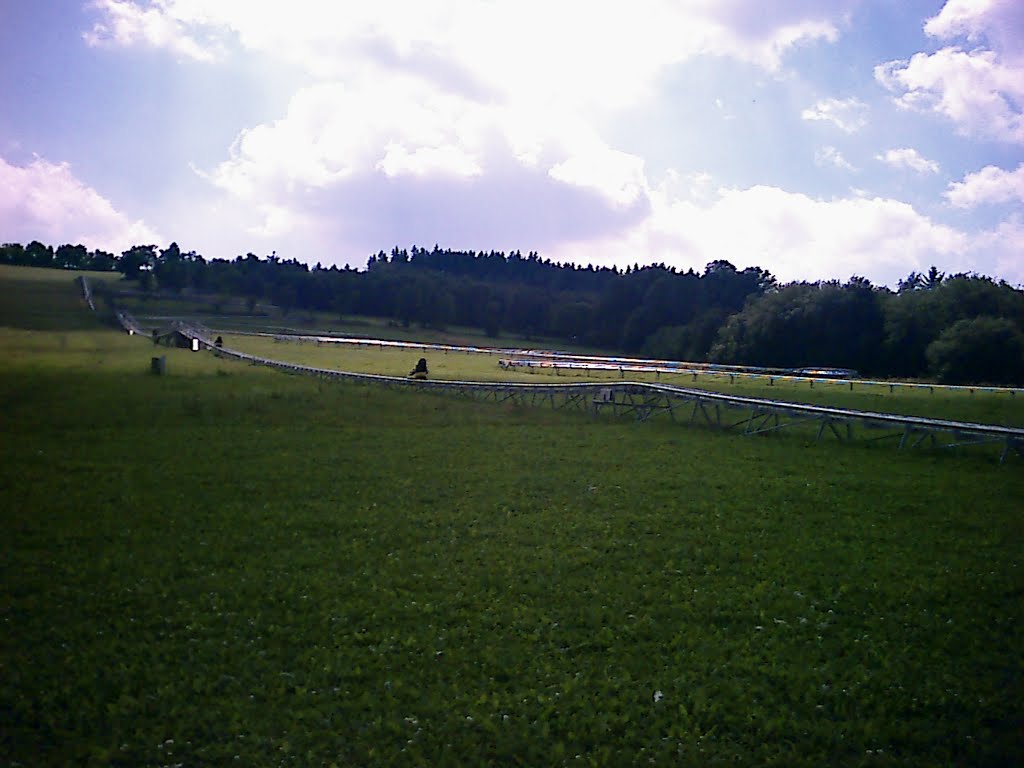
420,371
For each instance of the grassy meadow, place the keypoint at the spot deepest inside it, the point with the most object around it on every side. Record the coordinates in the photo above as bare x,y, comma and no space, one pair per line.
228,565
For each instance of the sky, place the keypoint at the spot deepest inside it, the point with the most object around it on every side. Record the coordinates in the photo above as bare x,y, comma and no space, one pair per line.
816,139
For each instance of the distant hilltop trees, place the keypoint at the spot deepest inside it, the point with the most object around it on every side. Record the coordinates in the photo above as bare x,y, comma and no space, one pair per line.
962,328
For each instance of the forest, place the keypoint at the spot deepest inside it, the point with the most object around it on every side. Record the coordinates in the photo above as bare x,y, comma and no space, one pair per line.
960,329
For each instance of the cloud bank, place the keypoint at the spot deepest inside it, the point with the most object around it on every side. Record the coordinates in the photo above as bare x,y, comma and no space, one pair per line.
492,125
981,90
44,201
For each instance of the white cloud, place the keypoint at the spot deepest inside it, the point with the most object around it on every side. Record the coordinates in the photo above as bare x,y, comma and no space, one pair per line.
982,89
276,221
849,115
619,176
403,127
44,201
453,90
997,252
398,160
601,54
794,236
833,158
989,185
460,90
998,21
975,90
124,23
412,130
908,157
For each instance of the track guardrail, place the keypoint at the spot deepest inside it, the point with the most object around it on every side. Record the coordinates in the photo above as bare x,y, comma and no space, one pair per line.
643,400
548,360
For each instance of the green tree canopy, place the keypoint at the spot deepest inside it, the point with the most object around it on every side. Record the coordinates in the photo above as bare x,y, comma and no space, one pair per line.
980,350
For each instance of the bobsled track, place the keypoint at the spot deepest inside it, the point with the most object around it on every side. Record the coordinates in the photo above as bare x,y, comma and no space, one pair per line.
643,401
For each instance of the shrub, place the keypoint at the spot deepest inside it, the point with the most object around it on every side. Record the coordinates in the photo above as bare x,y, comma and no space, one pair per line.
982,350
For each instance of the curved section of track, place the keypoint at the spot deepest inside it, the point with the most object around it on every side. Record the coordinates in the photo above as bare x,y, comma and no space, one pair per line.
643,401
544,359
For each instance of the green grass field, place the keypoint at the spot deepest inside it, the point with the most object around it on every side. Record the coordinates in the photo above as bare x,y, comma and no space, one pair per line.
227,565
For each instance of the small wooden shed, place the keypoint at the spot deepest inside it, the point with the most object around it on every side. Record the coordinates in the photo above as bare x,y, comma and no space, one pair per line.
173,338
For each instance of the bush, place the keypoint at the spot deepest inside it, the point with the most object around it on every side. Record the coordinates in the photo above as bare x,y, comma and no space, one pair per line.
982,350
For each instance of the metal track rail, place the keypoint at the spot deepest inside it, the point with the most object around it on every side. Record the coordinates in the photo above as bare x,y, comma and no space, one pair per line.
547,361
643,401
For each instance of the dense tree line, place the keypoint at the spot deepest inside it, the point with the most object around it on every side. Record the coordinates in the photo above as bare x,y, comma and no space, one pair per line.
962,328
959,329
